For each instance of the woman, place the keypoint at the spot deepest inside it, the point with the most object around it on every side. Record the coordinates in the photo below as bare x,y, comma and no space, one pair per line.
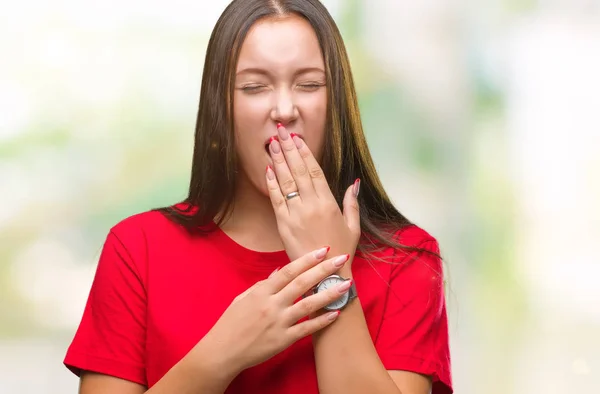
192,299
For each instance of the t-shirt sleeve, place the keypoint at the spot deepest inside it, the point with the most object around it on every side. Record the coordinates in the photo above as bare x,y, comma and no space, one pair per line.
111,336
414,332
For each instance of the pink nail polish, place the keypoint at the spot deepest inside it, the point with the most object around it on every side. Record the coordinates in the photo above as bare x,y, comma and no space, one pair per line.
342,288
272,139
293,135
275,147
270,173
279,125
340,260
333,315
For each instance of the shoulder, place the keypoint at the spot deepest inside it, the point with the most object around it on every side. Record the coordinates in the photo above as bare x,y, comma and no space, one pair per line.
407,240
134,234
145,224
413,236
415,255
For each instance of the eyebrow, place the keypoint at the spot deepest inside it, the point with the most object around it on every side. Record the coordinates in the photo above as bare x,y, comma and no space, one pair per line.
254,70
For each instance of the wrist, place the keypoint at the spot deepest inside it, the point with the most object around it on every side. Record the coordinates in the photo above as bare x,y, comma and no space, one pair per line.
208,360
346,271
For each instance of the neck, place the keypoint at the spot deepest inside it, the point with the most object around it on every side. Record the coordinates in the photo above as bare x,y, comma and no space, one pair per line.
252,223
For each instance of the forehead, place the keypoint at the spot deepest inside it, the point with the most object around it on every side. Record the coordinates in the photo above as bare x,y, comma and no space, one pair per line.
276,43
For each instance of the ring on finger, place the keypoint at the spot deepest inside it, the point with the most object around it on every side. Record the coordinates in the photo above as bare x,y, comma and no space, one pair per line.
291,195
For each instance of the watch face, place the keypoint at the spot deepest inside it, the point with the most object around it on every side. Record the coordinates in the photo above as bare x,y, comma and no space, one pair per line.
329,283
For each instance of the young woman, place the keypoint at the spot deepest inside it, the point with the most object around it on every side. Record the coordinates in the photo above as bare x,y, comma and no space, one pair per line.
287,269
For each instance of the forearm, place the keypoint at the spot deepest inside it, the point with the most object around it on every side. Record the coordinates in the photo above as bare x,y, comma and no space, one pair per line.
199,372
345,356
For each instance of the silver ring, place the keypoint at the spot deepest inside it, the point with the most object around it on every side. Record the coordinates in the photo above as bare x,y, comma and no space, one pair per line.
291,195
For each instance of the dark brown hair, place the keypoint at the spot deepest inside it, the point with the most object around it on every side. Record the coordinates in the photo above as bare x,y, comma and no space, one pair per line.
345,155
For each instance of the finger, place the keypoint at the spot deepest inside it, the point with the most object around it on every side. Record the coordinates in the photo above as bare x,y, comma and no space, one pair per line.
245,293
310,278
290,271
316,302
310,326
351,208
295,163
274,272
277,199
286,181
314,170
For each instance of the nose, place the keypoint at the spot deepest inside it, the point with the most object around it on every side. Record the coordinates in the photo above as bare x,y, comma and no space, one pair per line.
284,108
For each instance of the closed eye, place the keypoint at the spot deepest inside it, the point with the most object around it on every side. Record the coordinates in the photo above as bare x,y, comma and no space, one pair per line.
252,88
311,86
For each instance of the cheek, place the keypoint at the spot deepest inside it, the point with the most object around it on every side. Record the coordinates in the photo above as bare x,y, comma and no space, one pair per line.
248,117
315,117
249,109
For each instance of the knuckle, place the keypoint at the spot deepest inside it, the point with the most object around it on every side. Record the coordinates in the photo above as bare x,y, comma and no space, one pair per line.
300,170
278,159
288,146
304,330
287,273
267,310
304,153
279,202
273,186
316,173
310,212
288,184
307,306
300,283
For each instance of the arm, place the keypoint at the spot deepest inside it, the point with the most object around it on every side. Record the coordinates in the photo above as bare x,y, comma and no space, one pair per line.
347,360
411,346
111,339
194,374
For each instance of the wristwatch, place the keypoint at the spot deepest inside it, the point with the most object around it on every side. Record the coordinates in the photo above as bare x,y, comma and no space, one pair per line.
344,300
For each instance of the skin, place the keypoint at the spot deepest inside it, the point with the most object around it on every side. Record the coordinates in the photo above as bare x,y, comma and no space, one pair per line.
280,79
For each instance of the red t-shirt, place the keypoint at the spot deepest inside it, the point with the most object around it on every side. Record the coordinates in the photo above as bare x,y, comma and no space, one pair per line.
158,290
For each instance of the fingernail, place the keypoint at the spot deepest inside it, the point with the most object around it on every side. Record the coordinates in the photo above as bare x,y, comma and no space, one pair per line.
333,315
275,147
270,173
356,187
297,140
343,287
272,139
320,253
283,133
340,260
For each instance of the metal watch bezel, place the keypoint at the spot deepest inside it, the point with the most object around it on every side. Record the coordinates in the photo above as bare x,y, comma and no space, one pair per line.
351,293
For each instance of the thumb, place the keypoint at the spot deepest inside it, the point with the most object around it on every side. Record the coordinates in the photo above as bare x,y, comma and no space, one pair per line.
351,210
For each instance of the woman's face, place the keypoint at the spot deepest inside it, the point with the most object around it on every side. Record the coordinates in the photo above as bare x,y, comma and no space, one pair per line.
280,78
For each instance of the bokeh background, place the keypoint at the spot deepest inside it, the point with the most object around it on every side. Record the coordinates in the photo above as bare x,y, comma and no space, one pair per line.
483,117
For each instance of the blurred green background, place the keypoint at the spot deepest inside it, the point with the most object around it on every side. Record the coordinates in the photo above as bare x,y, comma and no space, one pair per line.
482,117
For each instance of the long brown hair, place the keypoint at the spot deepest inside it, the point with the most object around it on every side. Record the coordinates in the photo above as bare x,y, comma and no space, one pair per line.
345,155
